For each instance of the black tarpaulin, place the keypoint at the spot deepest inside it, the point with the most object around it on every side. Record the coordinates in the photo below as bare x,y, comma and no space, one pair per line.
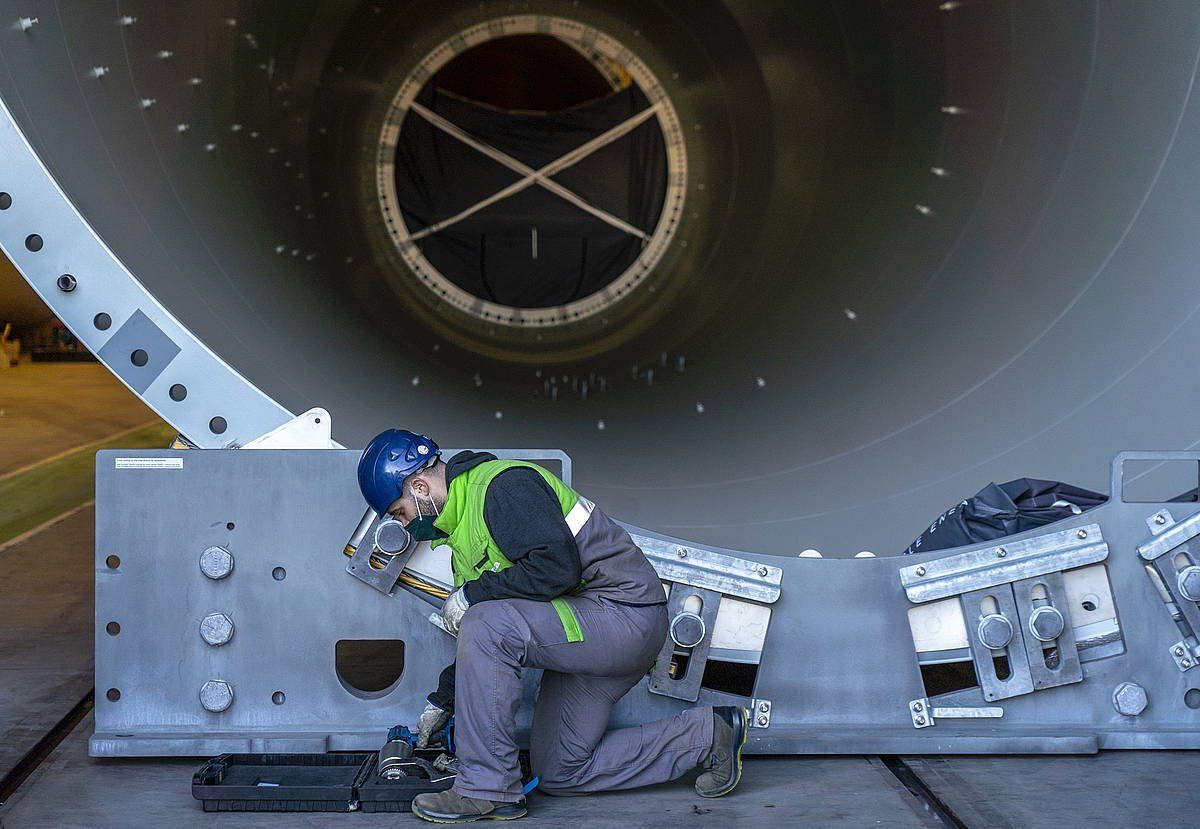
1004,509
532,249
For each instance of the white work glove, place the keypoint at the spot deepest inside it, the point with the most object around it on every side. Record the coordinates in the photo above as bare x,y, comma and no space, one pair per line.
452,611
430,721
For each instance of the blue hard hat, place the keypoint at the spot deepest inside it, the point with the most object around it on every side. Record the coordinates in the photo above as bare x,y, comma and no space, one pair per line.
389,458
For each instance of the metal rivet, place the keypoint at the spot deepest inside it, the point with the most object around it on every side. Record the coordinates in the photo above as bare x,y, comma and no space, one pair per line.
1160,519
764,707
918,706
681,552
762,571
1081,534
920,571
1179,651
920,720
1187,663
1001,552
763,720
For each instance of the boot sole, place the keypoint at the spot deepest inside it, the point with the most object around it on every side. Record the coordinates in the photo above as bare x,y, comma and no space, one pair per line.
468,818
744,718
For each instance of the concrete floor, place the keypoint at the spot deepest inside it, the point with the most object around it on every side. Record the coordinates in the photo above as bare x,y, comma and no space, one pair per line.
47,408
71,790
46,623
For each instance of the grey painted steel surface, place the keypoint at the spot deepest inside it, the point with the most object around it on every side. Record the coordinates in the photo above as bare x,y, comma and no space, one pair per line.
1029,318
838,665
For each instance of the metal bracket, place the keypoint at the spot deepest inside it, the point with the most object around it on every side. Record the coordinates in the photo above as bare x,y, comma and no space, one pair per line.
687,686
1008,562
713,571
1185,656
760,713
382,580
1169,535
923,715
1160,521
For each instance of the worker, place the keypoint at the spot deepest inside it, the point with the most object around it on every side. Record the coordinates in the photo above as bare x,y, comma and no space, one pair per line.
543,579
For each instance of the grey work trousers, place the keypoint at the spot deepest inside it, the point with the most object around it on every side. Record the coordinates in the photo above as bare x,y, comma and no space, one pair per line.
569,750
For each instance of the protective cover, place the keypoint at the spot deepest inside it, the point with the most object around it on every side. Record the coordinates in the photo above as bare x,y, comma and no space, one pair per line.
1004,509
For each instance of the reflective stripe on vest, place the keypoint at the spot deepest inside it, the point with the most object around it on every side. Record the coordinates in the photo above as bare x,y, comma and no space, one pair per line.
579,515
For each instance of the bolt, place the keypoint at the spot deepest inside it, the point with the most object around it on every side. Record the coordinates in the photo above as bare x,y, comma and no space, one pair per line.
920,721
995,631
1160,519
762,571
918,707
764,707
1129,699
27,23
1187,663
1081,534
1001,552
216,695
1189,583
1179,651
99,71
920,571
762,720
216,629
1046,623
681,552
216,562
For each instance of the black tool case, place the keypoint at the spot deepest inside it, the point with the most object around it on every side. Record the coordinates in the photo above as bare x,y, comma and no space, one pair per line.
307,783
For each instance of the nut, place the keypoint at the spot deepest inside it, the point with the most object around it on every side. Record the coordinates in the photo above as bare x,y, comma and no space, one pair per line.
1129,699
1046,623
995,631
216,629
216,562
1188,581
216,695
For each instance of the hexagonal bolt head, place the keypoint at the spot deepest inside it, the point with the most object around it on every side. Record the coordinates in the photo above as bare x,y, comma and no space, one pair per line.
216,562
216,628
687,630
1189,583
216,695
995,631
1129,699
1046,623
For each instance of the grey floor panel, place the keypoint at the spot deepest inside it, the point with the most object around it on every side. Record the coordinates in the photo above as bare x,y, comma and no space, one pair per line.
1111,789
46,623
72,790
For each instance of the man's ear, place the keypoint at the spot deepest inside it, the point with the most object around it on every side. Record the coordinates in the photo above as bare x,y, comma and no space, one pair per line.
419,486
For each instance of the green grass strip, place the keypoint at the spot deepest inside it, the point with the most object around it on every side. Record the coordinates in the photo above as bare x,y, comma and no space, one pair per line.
35,496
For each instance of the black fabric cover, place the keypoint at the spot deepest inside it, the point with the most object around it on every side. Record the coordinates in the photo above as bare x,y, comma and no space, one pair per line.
490,253
1004,509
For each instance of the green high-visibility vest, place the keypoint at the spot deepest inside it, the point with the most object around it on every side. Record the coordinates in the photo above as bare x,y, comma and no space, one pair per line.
474,549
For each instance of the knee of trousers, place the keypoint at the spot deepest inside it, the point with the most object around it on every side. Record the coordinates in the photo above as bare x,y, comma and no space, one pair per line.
487,626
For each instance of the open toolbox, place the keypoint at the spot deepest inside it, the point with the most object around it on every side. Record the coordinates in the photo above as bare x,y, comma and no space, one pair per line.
335,782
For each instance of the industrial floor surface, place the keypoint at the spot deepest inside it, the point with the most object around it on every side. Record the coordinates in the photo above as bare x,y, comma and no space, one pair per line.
48,408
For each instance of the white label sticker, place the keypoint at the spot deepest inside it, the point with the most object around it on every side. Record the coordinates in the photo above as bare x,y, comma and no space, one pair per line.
149,463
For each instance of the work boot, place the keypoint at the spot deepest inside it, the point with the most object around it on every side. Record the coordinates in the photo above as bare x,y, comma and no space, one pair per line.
451,807
724,767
